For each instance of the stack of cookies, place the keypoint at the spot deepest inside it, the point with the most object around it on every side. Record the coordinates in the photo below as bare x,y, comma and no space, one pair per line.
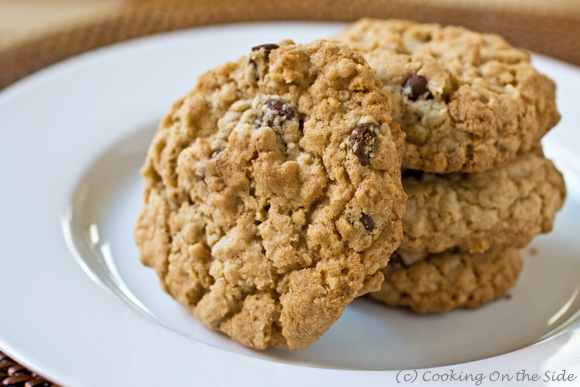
473,110
274,191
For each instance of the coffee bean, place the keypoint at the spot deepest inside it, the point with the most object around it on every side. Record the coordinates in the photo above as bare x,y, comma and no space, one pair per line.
367,222
417,86
362,141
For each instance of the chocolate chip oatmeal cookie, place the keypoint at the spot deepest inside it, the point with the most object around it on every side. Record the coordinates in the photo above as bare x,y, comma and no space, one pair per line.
467,101
450,280
273,193
508,205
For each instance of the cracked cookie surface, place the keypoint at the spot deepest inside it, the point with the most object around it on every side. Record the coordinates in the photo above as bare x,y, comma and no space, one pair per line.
272,193
467,101
508,205
450,280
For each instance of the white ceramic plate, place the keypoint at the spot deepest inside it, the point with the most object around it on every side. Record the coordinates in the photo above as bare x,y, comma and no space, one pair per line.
78,306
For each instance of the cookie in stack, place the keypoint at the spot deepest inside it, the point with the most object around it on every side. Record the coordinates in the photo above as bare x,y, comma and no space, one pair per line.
474,110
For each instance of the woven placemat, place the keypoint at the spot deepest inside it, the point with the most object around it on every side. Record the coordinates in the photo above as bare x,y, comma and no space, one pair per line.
551,34
13,374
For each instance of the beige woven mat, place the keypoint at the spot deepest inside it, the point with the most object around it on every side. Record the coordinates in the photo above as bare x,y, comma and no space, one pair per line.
550,30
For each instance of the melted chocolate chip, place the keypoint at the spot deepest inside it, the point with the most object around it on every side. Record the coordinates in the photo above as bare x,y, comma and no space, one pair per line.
362,141
275,113
367,222
266,47
418,87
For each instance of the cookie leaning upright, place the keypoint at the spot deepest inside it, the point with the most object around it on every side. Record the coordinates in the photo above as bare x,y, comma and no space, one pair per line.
467,101
273,193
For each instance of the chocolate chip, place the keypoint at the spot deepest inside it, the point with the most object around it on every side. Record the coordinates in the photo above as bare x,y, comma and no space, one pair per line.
362,141
267,48
254,68
275,113
201,174
417,86
283,109
397,260
367,222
